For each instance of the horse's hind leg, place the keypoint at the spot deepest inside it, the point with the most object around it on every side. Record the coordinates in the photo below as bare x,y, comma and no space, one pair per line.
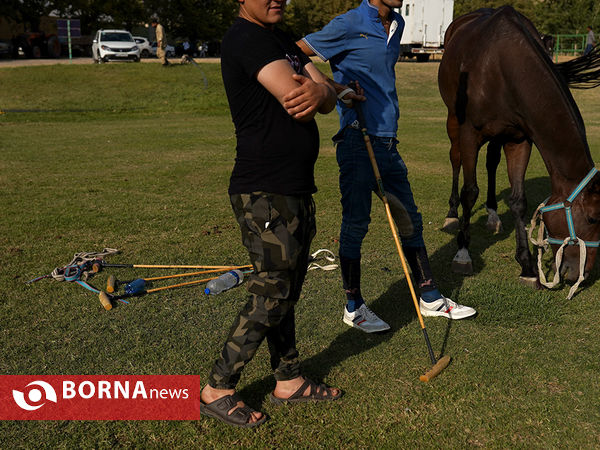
492,159
517,158
462,262
452,126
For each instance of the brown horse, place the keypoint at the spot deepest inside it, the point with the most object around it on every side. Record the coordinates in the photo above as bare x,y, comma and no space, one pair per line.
501,87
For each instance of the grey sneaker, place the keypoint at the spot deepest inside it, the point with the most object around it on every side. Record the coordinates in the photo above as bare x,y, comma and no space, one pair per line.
446,308
364,319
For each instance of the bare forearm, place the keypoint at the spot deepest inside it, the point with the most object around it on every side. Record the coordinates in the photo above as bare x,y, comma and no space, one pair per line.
329,98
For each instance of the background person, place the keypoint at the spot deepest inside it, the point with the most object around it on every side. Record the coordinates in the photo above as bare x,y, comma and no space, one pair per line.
274,92
187,51
363,45
161,42
590,40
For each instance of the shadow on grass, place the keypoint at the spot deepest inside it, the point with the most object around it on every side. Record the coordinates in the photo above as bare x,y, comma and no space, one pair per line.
350,343
401,313
537,189
482,238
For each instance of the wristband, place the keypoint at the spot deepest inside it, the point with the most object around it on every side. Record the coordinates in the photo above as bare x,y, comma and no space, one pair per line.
343,93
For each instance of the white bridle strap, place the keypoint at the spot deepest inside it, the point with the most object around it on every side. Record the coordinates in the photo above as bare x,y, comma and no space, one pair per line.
542,243
328,255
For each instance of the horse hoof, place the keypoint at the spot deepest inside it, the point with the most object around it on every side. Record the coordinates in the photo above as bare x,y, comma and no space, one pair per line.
531,282
494,224
494,227
450,224
462,268
462,262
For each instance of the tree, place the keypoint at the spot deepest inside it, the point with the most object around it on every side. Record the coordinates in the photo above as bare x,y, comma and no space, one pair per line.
195,19
26,12
549,16
95,14
567,17
525,7
307,16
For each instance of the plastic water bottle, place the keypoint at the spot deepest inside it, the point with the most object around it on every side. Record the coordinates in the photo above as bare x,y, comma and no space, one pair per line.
224,282
136,287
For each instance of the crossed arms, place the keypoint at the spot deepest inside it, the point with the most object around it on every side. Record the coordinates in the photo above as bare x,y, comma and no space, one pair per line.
302,96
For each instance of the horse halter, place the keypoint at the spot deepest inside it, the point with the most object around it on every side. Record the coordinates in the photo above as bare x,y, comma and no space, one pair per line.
572,239
567,206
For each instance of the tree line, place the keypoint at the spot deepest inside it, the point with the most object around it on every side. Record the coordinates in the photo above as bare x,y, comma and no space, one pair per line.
549,16
208,19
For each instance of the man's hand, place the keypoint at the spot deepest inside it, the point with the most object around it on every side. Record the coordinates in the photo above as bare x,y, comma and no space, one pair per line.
357,94
302,96
305,101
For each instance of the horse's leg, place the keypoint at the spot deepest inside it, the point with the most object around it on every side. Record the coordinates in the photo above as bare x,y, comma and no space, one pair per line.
517,158
470,145
492,159
452,126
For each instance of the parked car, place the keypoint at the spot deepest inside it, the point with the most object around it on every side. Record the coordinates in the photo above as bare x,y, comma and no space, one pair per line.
170,50
6,49
37,45
114,45
144,45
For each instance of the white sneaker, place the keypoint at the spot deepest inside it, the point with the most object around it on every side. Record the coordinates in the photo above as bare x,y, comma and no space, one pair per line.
446,308
364,319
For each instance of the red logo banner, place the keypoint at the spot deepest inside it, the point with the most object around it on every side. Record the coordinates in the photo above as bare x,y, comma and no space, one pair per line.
99,397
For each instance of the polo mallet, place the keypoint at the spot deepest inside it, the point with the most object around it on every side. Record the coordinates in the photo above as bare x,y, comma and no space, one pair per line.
140,289
113,283
99,264
443,362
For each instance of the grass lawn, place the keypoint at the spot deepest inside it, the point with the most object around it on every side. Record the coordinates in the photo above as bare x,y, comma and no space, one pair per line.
137,157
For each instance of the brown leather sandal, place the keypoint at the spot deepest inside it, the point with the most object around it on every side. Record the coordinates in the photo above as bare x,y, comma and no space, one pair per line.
318,392
240,417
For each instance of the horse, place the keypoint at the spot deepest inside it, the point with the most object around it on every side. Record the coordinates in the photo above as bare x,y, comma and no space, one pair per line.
501,88
579,73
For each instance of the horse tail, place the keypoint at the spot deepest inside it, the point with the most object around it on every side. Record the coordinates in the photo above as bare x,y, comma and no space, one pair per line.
582,72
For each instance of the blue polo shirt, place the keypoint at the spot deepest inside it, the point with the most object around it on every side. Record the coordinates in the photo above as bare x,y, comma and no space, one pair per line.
358,48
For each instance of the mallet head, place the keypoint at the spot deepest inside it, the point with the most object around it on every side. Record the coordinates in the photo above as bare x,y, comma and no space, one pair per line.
105,300
111,284
436,369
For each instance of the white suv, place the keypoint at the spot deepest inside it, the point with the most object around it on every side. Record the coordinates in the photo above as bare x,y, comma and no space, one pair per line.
114,45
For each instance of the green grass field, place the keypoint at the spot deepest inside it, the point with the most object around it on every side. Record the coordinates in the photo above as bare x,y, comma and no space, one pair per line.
138,157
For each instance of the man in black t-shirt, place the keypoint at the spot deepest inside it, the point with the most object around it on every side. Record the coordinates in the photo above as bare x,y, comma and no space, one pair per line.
274,92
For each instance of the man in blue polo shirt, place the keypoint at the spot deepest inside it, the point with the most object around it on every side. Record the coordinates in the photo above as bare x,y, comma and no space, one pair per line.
363,46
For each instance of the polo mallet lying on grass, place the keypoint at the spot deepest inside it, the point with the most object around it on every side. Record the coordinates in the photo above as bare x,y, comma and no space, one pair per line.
100,264
113,283
443,362
140,289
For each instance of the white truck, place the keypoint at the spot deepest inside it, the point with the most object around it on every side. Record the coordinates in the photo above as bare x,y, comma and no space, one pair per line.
426,24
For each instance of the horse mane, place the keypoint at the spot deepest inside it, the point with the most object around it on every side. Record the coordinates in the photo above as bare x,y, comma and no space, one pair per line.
564,78
582,72
561,77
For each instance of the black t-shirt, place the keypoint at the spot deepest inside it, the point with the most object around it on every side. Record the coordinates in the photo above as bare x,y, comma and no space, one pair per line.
275,153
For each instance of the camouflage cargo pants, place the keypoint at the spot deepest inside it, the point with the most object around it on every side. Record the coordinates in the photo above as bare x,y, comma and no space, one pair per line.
277,231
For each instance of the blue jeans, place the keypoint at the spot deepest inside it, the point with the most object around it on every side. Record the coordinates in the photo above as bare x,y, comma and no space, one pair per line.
357,183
